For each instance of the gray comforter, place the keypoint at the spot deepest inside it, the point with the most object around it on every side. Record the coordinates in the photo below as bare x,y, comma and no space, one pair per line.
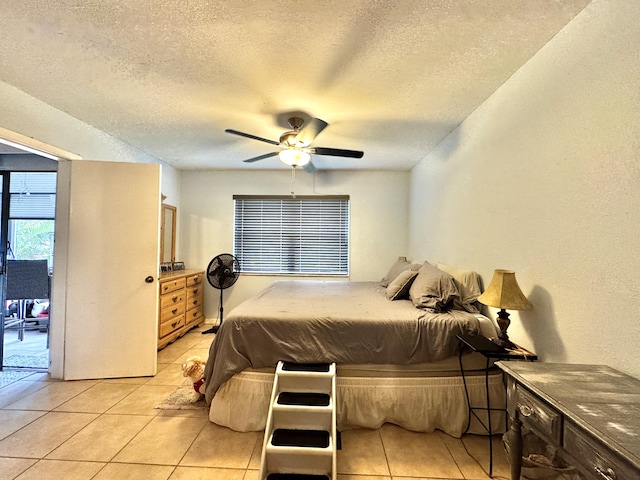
330,321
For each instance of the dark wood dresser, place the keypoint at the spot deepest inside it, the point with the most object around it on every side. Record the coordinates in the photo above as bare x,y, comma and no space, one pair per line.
590,413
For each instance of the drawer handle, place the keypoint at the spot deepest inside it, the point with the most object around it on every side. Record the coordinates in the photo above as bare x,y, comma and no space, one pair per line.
609,474
174,311
174,324
174,299
526,410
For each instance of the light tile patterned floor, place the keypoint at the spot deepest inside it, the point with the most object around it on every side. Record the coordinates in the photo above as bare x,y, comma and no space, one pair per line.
110,430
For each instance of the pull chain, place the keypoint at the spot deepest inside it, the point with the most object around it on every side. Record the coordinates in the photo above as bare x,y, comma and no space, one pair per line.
293,181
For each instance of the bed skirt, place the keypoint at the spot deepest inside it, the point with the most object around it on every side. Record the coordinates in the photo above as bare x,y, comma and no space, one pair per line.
421,404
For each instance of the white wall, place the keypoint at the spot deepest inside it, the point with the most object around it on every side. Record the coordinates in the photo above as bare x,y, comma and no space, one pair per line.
379,211
544,179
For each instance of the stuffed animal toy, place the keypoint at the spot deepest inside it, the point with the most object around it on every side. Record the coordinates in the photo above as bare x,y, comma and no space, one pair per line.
193,368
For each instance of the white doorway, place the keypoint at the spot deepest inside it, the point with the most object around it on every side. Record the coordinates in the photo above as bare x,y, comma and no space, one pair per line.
28,229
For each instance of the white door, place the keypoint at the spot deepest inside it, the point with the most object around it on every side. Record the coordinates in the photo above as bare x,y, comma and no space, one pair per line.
105,300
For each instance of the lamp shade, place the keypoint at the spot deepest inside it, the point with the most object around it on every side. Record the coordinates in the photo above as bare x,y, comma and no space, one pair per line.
504,292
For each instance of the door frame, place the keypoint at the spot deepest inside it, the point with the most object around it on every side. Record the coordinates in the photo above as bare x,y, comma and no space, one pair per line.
4,234
36,147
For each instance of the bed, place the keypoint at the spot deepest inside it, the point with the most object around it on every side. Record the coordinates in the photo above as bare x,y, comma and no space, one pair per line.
397,359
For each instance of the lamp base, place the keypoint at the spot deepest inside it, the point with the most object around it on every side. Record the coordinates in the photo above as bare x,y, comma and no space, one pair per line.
503,323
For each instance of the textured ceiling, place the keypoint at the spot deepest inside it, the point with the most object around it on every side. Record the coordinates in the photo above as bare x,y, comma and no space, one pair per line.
392,78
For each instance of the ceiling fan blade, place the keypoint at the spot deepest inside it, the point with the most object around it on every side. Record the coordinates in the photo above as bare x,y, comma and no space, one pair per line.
248,135
310,131
309,167
336,152
261,157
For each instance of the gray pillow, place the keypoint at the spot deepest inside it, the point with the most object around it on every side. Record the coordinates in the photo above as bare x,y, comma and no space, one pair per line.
400,265
469,284
433,289
399,288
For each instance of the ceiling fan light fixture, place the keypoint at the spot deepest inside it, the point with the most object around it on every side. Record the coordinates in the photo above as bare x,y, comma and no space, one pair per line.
296,144
288,139
294,157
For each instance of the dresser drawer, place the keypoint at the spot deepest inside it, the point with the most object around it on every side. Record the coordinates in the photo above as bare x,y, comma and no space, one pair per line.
172,311
167,286
534,413
194,302
194,292
595,457
171,326
171,299
193,315
195,279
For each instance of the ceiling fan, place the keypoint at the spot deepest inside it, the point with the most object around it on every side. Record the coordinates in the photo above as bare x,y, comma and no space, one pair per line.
295,145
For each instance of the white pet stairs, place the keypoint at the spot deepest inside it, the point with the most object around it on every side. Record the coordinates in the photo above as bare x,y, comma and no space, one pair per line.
300,437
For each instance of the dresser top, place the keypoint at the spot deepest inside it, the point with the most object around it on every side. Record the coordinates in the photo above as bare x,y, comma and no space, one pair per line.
178,274
603,401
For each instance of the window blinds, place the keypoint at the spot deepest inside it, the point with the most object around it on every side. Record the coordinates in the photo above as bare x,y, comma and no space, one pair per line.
305,235
33,196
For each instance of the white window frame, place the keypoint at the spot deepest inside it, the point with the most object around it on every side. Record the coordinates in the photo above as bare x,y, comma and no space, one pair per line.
285,235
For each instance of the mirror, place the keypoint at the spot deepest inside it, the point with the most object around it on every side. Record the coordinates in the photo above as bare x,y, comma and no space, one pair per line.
168,234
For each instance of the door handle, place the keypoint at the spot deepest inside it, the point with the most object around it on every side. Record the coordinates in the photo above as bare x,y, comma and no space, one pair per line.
149,279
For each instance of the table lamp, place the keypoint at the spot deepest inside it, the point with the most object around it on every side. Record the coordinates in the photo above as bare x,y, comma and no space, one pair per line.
504,293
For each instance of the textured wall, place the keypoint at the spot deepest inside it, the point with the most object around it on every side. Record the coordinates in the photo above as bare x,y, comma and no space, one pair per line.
544,179
379,212
33,118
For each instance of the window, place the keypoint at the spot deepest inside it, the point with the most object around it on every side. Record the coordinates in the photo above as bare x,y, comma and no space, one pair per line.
305,235
32,216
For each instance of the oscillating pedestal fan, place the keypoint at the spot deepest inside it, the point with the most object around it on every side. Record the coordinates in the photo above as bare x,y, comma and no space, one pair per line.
222,272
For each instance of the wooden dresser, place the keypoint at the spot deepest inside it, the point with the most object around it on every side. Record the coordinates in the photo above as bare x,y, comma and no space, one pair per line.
590,413
181,299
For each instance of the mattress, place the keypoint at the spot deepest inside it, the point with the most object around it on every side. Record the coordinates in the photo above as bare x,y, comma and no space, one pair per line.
347,323
420,391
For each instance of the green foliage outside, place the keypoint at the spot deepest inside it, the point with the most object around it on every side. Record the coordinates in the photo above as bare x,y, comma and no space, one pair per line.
33,240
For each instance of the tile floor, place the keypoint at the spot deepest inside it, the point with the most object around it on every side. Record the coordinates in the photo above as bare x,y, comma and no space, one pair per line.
110,429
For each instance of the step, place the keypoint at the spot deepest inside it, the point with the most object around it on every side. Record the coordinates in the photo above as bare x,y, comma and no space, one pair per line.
304,398
317,378
302,419
296,476
306,367
304,460
288,437
305,383
314,369
300,435
307,410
